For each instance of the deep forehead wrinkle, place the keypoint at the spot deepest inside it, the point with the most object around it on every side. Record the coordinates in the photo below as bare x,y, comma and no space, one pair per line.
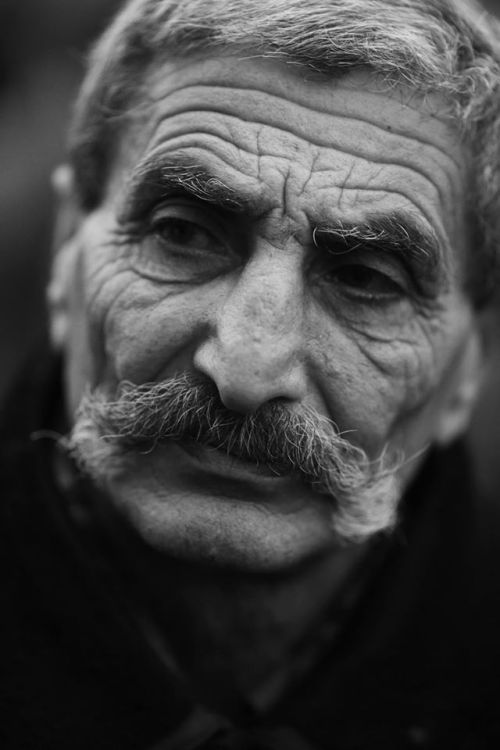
309,124
304,86
239,95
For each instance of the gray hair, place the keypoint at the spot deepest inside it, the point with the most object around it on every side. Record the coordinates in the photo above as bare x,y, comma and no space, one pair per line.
449,47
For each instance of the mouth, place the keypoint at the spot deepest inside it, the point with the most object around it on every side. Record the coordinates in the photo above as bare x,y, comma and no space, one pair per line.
220,462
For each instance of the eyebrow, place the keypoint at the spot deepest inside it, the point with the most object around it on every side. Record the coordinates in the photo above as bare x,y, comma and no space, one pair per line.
396,233
157,177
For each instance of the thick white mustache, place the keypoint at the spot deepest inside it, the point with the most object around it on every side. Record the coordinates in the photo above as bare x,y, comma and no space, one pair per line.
187,407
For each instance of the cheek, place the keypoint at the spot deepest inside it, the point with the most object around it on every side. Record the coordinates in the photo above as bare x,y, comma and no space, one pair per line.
371,383
143,329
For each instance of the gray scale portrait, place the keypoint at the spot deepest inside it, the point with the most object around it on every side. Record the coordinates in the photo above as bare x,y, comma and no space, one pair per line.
239,508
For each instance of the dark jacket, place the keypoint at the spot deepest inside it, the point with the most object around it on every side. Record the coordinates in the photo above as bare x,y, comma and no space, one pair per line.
416,665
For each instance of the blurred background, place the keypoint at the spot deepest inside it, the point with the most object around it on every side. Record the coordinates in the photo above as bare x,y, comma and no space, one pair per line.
42,53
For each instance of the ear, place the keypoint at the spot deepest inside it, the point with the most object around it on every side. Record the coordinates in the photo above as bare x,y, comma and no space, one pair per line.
67,221
465,384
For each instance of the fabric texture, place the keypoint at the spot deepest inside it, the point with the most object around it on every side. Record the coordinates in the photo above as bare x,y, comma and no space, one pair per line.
416,663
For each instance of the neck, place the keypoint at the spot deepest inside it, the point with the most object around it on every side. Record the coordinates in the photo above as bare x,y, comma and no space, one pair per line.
241,638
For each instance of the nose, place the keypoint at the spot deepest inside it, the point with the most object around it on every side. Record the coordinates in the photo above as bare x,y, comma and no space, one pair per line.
254,351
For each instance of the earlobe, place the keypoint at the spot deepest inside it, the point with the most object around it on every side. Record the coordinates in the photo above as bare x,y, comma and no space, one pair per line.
456,413
64,255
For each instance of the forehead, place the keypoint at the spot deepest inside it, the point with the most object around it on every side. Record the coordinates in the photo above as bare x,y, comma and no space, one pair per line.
316,149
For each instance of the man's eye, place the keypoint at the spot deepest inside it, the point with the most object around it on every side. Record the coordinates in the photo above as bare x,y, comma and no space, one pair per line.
183,233
367,282
185,243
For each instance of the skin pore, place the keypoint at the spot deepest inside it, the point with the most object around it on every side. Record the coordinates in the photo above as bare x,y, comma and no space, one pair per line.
253,231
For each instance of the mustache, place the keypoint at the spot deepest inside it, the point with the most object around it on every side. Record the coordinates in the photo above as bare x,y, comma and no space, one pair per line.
286,440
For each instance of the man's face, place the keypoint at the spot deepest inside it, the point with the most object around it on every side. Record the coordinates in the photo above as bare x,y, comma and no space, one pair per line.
294,240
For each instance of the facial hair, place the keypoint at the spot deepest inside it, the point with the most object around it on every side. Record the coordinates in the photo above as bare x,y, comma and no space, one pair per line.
297,441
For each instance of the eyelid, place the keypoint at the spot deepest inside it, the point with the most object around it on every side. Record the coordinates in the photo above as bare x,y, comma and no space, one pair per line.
187,210
379,261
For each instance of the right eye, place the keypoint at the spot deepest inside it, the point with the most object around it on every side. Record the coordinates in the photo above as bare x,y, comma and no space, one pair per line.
181,234
185,243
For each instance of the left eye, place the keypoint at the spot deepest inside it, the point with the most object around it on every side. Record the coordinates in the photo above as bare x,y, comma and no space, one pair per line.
367,282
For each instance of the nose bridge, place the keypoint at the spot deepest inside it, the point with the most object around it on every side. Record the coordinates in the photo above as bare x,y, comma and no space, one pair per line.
255,351
263,312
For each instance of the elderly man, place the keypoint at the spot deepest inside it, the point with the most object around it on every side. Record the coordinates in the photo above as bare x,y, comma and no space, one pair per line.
237,510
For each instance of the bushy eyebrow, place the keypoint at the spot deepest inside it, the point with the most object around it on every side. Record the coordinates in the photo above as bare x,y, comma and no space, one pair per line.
396,233
157,177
